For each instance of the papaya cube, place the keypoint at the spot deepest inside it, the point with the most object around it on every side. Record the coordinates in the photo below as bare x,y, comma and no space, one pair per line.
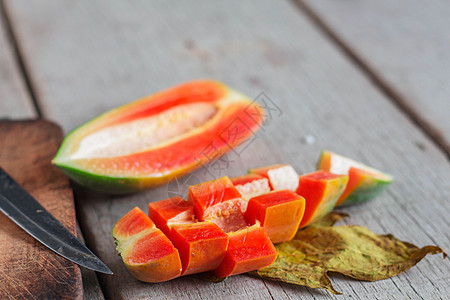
248,249
205,195
249,186
171,211
321,191
281,177
202,246
279,213
146,252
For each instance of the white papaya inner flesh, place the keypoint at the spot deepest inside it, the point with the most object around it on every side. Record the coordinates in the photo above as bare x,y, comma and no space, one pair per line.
144,133
341,165
252,189
227,215
283,178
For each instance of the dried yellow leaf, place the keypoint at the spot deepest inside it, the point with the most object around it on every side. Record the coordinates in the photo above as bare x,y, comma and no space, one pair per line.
351,250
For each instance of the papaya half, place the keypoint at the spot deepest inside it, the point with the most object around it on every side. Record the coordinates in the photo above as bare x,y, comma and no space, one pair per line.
147,142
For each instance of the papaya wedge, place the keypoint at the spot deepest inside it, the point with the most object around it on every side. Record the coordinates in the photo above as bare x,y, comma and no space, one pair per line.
146,252
364,183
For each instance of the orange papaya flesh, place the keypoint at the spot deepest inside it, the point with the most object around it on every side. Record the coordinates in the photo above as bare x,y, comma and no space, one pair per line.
364,182
146,252
321,191
247,178
263,171
148,142
281,176
152,258
171,211
248,249
134,222
205,195
202,246
355,178
249,186
279,213
191,92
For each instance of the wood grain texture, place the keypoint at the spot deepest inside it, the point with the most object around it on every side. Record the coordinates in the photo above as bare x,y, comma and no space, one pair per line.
406,45
14,99
28,269
89,56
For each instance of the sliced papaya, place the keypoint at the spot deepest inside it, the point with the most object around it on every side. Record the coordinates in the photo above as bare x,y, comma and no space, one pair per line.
228,215
202,246
248,249
249,186
133,223
147,142
321,191
247,178
208,194
281,176
279,213
364,182
171,211
218,201
146,252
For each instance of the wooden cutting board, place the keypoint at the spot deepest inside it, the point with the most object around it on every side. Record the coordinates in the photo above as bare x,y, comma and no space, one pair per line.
27,268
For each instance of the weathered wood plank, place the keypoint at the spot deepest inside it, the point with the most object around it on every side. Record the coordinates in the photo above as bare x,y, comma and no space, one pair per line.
106,53
14,99
406,45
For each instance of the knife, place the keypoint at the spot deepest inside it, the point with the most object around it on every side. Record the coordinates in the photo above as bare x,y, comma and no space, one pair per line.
26,212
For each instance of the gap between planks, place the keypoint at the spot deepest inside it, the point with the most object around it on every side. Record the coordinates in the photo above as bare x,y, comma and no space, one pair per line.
18,57
87,238
391,93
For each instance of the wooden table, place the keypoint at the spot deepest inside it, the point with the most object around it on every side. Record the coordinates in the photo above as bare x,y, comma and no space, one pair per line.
367,79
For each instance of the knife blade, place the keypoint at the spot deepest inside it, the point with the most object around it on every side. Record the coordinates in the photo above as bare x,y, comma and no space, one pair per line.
32,217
